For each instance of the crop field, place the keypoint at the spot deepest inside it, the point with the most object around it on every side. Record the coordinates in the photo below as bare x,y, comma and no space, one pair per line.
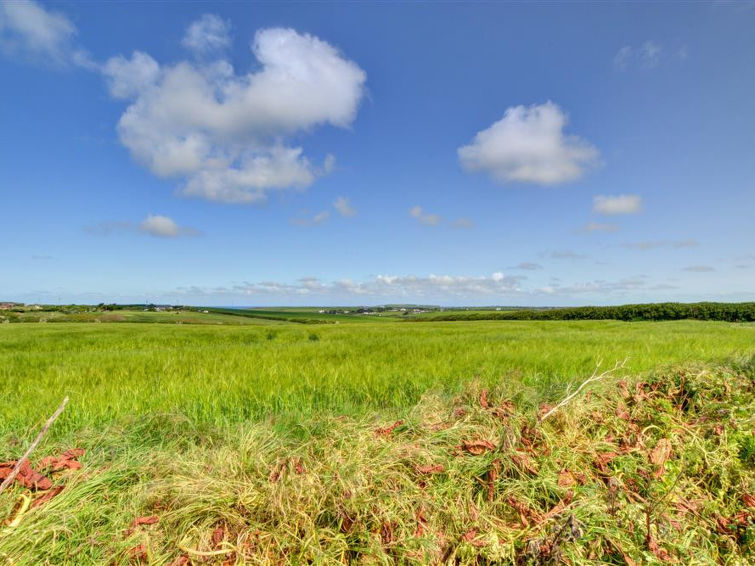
380,442
230,374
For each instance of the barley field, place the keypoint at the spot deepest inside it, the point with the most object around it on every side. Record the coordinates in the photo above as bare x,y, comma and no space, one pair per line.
379,443
228,374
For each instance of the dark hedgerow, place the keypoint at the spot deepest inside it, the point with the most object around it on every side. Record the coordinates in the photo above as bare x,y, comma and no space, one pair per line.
727,312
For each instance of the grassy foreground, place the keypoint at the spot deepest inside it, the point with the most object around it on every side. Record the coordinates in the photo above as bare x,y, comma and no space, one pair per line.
658,470
275,445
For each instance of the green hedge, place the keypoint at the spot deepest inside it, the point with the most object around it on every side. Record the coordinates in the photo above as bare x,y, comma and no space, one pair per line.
730,312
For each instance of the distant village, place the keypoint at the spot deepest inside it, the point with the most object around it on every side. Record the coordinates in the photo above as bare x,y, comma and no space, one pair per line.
378,310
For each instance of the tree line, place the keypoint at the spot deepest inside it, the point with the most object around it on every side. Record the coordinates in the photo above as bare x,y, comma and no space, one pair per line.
730,312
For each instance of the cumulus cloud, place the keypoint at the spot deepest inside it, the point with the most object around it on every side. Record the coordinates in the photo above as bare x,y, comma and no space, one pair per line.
128,77
223,134
344,208
207,35
30,31
616,204
156,225
599,227
528,145
426,218
315,220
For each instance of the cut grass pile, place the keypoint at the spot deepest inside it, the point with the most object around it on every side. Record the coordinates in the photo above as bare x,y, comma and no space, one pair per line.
653,469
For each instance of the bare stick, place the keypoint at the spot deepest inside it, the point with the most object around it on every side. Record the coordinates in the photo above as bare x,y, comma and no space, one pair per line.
593,377
17,467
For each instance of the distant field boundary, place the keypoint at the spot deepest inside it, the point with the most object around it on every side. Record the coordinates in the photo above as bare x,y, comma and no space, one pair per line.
271,315
728,312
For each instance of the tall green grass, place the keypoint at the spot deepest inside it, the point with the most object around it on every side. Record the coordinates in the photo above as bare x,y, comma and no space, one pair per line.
584,487
225,375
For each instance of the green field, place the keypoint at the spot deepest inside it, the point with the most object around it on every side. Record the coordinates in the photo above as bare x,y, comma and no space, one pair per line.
140,316
231,374
267,432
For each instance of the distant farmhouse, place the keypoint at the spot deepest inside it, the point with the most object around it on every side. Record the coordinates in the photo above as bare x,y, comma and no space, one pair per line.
8,306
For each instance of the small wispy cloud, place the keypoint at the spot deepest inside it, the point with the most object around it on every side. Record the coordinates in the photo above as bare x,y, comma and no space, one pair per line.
426,218
598,227
29,31
462,222
655,244
209,34
566,254
161,226
344,208
528,266
648,55
155,225
699,268
314,220
611,205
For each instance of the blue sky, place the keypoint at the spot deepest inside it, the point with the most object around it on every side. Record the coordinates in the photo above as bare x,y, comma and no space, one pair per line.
325,153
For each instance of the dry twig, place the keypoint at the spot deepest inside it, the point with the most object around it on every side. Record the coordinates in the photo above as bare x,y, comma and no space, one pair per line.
593,377
20,463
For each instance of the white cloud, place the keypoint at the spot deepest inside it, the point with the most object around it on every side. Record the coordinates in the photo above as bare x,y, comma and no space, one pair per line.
315,220
128,77
649,55
528,145
616,204
224,134
699,268
423,217
407,287
30,31
164,227
602,287
441,288
599,227
207,35
344,208
155,225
